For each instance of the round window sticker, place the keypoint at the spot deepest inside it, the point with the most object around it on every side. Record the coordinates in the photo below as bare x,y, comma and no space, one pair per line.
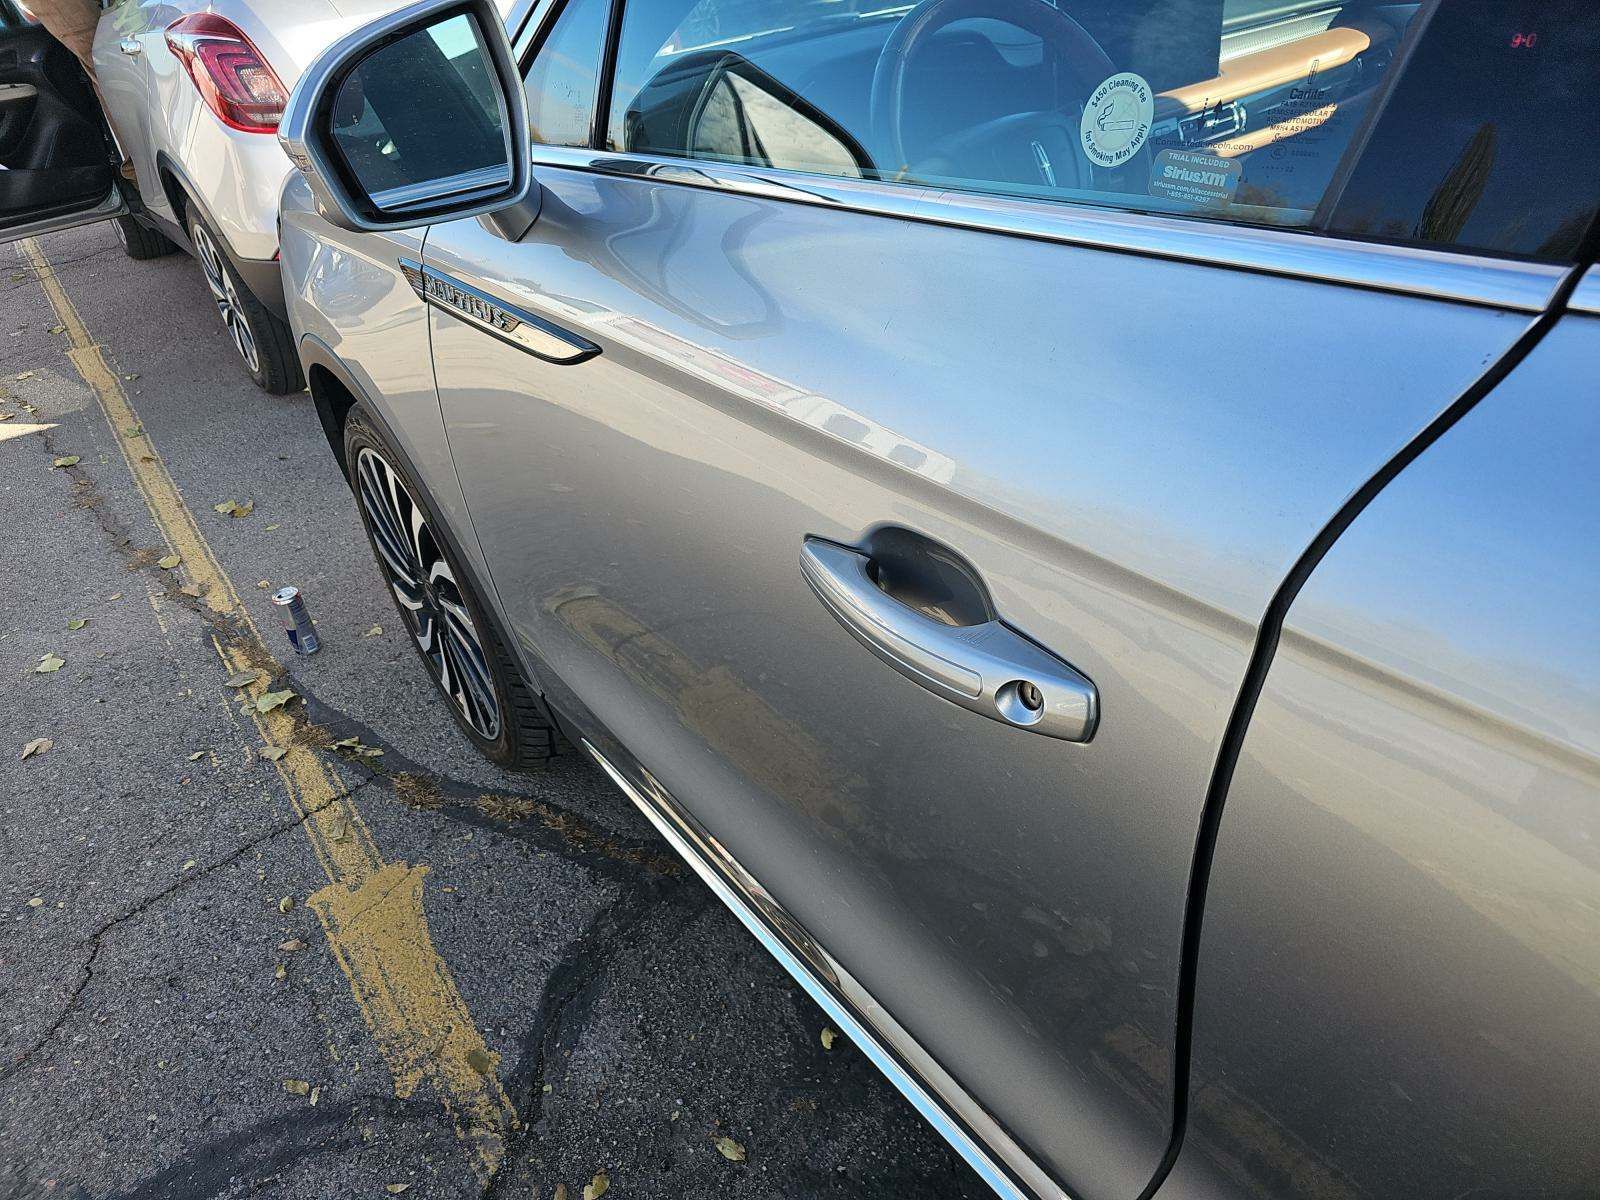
1116,121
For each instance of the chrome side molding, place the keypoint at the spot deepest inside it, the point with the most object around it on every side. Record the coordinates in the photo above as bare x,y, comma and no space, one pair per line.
1585,297
515,326
942,1102
1409,270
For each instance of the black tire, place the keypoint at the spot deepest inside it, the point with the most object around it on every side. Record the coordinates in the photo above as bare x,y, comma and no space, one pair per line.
264,343
524,735
140,242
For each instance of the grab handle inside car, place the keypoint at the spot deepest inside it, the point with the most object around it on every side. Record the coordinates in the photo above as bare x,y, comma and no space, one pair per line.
983,665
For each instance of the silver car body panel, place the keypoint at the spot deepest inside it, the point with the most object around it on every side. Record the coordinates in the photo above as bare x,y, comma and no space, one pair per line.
1399,979
349,295
925,1083
1132,449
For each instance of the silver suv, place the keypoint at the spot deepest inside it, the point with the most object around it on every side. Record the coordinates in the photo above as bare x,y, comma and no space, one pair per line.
1076,518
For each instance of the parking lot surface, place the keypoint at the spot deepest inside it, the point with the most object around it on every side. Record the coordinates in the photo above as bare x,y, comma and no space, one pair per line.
312,945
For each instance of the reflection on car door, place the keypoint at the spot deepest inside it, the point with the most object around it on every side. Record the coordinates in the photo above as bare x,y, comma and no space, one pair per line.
1119,455
1405,902
1129,487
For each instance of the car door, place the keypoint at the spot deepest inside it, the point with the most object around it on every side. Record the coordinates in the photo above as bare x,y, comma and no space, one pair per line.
129,33
57,164
892,360
1405,902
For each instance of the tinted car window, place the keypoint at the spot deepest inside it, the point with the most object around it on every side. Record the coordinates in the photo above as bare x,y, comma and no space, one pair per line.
1489,140
1234,108
561,81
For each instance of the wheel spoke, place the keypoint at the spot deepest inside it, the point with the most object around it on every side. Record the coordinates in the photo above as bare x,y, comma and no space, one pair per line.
474,669
385,535
425,587
409,596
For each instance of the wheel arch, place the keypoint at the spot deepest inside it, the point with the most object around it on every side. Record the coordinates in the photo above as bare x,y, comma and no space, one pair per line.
334,392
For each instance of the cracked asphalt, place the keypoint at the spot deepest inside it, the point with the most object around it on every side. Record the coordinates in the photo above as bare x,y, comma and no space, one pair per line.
184,1008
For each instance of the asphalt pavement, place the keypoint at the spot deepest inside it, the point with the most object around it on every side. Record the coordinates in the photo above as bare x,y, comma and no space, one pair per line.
315,946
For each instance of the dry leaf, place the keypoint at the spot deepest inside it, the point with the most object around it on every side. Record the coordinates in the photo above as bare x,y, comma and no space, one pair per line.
37,746
292,946
730,1149
285,904
481,1061
246,678
114,596
192,590
197,756
26,375
77,622
130,378
36,902
188,865
274,753
58,329
827,1038
316,1094
66,460
339,831
561,1191
167,562
225,507
243,510
296,1087
280,972
6,416
268,701
262,583
375,631
394,1189
270,528
50,664
598,1186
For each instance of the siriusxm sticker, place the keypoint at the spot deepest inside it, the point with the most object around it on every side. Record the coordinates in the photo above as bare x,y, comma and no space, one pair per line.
1194,178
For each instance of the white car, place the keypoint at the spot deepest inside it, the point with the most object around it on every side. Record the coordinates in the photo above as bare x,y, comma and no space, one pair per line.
194,91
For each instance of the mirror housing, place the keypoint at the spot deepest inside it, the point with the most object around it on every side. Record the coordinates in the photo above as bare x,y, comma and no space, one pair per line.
333,112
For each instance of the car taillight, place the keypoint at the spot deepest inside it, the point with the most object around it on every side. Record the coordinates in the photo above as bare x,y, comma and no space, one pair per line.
233,79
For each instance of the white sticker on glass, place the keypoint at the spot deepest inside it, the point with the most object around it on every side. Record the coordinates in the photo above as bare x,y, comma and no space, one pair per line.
1116,120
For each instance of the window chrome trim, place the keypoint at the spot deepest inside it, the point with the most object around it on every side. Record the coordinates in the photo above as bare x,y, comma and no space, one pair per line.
1585,297
931,1090
534,19
1411,270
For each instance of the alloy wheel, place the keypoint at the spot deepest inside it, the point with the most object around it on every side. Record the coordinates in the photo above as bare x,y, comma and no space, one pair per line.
226,296
429,594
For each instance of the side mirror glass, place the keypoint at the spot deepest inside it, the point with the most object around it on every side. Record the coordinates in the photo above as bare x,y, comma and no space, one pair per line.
414,119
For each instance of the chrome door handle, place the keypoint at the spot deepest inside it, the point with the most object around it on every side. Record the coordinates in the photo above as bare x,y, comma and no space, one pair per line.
989,669
131,46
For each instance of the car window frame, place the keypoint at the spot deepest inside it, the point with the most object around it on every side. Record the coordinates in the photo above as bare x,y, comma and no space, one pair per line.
1310,252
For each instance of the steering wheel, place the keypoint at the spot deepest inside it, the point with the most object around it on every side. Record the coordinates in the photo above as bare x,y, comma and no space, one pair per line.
1086,64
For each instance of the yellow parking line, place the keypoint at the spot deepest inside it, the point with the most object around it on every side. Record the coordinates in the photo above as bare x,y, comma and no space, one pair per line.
372,911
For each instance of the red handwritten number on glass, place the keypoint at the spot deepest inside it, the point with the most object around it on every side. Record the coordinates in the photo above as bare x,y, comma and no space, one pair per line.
1524,41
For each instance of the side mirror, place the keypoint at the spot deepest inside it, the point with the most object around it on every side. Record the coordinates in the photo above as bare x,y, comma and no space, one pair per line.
414,119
